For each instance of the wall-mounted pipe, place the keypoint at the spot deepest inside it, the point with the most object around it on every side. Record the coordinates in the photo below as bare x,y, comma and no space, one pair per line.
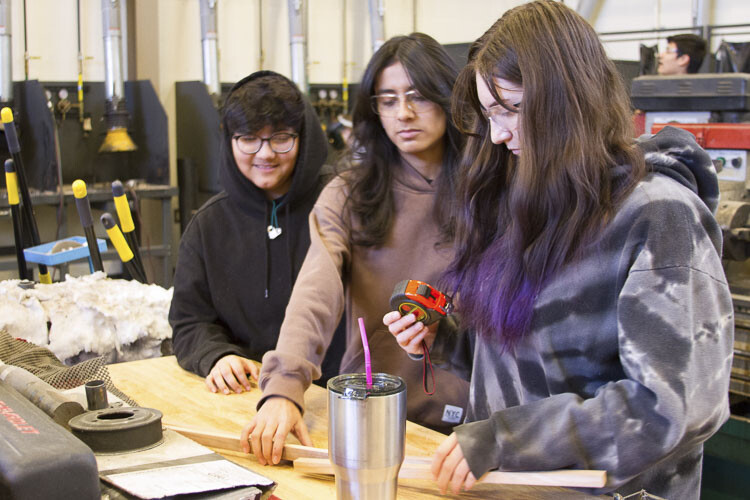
588,9
124,54
297,43
113,80
701,18
6,63
377,23
261,55
210,43
116,117
345,56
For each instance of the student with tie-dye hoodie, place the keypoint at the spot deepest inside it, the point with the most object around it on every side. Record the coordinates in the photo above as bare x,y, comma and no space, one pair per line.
593,318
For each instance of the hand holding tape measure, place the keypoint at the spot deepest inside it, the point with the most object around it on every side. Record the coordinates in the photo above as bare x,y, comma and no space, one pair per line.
428,305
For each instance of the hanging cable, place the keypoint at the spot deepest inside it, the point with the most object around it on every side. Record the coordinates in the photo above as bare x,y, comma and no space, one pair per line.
80,64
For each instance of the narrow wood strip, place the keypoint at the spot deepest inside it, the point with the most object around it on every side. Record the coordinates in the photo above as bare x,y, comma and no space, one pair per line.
229,441
565,478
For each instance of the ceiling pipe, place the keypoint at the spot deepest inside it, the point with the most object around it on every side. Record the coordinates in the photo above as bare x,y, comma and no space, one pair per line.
115,115
6,62
297,43
210,42
377,23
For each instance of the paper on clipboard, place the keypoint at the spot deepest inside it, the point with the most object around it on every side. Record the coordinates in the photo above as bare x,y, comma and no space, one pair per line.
175,467
188,478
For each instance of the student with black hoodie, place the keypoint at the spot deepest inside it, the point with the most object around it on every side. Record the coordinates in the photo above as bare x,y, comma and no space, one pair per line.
241,252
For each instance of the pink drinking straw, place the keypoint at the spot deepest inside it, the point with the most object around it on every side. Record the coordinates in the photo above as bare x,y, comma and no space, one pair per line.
366,346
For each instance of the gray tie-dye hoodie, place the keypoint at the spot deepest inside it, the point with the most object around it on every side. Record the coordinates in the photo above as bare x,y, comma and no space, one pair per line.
627,364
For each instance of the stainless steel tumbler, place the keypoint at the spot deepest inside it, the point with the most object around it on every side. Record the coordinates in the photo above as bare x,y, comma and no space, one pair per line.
366,428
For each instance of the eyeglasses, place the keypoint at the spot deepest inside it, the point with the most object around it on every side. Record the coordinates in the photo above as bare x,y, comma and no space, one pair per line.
499,115
280,142
389,105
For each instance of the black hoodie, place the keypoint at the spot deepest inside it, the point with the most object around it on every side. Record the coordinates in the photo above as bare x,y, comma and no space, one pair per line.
233,282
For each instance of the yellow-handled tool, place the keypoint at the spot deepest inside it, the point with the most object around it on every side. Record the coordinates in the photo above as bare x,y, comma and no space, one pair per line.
87,221
126,223
11,182
123,250
27,212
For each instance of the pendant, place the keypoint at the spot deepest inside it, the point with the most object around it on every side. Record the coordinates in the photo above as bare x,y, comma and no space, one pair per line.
273,232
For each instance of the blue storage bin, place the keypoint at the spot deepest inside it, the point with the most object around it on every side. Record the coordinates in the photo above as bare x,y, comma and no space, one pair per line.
44,254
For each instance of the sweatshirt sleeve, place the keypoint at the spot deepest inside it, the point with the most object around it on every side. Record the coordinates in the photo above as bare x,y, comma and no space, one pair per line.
198,339
453,348
316,305
675,336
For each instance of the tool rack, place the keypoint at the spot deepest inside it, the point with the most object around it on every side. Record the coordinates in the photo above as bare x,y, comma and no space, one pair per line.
103,193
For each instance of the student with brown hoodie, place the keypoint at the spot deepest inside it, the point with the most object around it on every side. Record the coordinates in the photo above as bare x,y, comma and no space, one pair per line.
381,221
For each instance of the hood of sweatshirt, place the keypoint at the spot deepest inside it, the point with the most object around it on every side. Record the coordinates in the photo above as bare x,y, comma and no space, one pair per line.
675,153
313,150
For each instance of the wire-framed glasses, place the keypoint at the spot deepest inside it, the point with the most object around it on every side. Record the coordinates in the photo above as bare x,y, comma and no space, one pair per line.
280,142
500,115
388,105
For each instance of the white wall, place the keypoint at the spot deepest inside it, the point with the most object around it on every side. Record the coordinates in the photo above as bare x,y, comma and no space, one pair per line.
53,41
338,33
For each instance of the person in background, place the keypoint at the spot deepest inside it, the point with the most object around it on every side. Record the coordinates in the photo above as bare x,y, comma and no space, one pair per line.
593,318
339,139
683,55
383,220
242,251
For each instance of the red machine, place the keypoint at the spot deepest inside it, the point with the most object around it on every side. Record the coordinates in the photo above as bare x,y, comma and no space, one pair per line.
426,302
714,135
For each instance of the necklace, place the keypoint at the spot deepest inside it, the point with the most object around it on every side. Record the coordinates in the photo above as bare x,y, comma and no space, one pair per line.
426,179
273,229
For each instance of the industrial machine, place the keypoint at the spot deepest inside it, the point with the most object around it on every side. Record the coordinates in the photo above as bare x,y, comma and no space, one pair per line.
52,446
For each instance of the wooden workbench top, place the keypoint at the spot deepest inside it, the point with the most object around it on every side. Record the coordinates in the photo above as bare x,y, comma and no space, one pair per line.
184,400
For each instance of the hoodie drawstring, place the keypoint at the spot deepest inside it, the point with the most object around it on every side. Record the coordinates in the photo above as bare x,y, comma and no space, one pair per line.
274,230
267,255
289,249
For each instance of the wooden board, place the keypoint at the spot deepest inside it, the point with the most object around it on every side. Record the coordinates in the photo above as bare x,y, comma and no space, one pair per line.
185,402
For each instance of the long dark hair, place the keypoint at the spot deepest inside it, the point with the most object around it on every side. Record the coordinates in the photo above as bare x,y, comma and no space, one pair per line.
369,176
521,219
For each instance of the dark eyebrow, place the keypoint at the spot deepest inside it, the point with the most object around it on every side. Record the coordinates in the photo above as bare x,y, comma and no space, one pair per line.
391,91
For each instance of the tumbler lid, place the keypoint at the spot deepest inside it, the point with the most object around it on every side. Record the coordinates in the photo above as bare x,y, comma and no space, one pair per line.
354,385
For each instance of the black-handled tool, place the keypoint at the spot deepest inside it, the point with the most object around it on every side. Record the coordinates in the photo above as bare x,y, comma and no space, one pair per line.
123,250
87,221
27,212
126,223
11,182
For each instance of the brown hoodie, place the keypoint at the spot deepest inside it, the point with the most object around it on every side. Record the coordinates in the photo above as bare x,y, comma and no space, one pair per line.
337,276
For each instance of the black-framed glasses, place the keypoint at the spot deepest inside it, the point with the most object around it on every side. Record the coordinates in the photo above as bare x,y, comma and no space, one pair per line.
280,142
388,105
